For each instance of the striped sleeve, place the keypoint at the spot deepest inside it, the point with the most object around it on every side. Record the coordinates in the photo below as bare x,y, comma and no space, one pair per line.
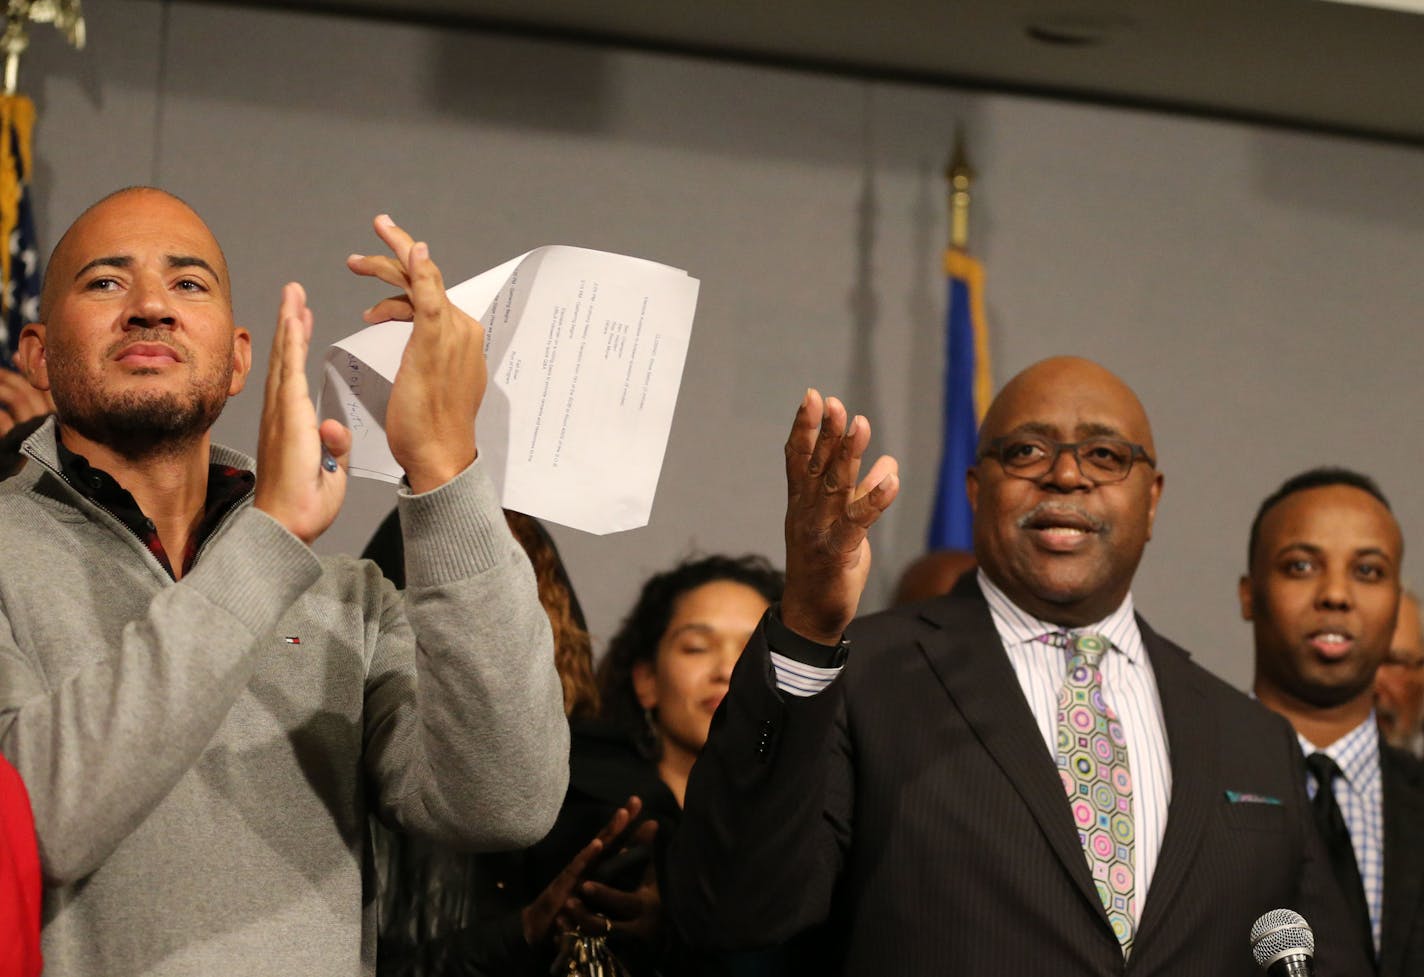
799,679
800,666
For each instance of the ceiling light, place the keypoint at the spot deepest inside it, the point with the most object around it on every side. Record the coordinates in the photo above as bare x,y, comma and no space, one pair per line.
1079,29
1408,6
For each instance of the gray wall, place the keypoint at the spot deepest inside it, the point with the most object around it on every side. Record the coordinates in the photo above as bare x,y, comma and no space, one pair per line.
1260,288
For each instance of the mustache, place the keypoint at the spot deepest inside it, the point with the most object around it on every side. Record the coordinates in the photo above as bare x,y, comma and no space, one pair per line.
163,337
1049,509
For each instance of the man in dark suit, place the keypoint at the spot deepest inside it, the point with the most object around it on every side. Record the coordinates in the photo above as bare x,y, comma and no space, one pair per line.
1321,593
907,786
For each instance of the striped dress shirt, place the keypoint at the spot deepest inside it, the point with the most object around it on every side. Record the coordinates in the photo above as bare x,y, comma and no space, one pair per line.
1360,794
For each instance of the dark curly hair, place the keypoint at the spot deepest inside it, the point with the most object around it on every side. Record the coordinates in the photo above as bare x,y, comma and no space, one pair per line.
638,636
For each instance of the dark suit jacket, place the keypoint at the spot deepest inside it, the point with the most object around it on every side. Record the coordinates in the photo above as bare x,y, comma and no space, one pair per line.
914,806
1402,931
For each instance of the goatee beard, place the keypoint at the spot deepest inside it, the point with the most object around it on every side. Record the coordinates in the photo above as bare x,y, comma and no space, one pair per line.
143,428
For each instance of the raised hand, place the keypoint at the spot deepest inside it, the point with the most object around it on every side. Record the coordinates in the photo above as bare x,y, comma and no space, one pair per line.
20,401
293,486
430,418
828,514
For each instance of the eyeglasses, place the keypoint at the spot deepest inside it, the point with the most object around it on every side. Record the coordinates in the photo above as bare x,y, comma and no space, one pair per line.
1101,460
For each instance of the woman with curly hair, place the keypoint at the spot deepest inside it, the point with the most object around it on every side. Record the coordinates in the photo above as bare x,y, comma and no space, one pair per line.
635,735
668,666
664,674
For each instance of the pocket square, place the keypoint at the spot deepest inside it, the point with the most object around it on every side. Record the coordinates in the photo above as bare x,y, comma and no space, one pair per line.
1243,797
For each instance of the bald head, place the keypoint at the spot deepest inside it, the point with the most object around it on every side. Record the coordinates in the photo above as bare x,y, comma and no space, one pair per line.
1098,394
61,268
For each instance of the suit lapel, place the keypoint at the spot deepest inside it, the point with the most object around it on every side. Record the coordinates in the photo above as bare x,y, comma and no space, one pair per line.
1403,857
1192,753
968,658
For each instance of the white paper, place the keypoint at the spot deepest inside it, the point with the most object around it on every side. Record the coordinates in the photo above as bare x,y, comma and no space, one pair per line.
585,353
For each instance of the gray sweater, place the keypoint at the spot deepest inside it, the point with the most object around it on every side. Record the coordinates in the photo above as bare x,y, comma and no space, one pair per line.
202,755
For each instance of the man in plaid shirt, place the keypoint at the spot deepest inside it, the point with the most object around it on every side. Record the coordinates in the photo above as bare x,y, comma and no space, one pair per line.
1322,590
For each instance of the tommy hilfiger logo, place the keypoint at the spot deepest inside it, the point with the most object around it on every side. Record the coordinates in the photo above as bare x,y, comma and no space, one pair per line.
292,639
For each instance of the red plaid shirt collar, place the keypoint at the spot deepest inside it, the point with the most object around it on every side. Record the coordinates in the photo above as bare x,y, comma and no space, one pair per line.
226,487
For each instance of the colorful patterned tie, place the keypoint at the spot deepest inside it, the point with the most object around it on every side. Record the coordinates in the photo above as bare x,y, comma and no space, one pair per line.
1092,760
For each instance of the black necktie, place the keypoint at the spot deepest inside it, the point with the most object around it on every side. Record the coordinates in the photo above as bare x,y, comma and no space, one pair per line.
1336,835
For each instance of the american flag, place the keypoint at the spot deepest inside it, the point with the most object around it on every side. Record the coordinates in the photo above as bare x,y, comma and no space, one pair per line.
20,262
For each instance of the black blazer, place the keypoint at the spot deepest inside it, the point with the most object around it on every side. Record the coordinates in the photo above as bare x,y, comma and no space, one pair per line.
1402,930
914,807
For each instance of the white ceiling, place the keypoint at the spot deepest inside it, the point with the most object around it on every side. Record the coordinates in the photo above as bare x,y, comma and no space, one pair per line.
1331,66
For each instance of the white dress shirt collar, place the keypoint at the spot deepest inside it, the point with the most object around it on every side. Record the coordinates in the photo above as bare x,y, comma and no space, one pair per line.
1017,626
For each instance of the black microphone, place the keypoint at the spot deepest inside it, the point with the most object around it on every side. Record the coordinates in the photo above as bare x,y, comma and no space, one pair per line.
1283,945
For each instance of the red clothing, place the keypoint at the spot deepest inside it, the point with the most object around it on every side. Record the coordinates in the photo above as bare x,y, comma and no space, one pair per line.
19,879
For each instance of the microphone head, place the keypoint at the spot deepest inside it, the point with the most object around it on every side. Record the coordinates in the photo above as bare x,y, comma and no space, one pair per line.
1280,933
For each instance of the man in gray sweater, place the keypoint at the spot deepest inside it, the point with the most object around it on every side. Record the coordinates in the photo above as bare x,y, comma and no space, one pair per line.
204,711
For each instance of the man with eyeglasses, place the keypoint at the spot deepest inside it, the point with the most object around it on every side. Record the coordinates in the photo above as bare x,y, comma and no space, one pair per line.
1399,682
1321,592
1019,777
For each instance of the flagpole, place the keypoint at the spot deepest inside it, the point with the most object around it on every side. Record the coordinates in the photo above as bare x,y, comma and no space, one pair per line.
966,374
959,175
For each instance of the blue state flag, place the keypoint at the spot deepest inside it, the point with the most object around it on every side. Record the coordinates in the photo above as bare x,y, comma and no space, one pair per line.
967,388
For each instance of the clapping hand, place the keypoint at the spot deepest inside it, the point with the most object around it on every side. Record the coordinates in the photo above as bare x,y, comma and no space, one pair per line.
430,417
540,915
601,909
293,485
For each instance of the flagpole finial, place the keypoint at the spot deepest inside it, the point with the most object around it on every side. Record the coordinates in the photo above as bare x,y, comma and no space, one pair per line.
959,175
65,15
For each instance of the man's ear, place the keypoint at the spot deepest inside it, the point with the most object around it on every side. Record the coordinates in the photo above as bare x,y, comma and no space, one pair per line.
645,685
971,487
1158,480
1243,593
30,356
241,360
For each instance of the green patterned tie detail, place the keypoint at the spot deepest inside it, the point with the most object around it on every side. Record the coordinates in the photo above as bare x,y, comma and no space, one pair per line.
1092,760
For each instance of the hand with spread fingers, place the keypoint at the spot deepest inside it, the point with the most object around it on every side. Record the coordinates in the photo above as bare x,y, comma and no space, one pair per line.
828,514
604,910
20,401
293,485
539,916
430,418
